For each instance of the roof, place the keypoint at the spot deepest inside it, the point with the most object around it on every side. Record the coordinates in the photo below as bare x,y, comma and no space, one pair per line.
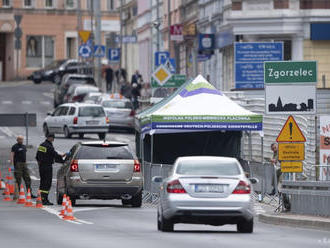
103,142
198,105
79,104
206,158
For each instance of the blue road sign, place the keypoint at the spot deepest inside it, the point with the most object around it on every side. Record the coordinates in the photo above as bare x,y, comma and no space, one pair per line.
85,51
161,56
170,64
249,62
114,54
206,42
99,51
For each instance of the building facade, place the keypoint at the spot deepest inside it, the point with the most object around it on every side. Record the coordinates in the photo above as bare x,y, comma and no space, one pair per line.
49,32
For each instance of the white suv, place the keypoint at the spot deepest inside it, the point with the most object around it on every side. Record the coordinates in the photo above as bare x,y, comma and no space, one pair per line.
77,118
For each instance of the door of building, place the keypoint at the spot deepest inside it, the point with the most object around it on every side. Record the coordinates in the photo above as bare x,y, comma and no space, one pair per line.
3,56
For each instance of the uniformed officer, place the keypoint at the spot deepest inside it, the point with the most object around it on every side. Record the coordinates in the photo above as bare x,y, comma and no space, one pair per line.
18,159
46,156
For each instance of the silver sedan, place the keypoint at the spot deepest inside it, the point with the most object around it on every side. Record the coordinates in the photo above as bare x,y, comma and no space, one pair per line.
206,190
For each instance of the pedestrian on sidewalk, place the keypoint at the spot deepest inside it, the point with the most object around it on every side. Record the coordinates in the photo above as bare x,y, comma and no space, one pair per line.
108,76
46,156
18,159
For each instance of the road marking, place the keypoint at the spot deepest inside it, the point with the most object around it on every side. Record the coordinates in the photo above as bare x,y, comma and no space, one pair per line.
26,102
45,102
2,137
7,102
34,178
8,132
47,94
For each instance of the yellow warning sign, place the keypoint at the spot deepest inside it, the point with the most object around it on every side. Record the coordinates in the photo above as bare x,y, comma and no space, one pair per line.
291,132
293,167
291,151
161,75
84,35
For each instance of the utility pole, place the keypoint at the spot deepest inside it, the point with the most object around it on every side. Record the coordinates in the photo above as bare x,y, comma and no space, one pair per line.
92,36
158,26
121,33
98,77
169,24
79,22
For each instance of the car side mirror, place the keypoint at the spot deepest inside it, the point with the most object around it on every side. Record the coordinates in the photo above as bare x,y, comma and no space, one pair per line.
50,113
254,180
157,179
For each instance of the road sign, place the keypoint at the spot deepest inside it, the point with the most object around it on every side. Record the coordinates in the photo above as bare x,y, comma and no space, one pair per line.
206,42
174,82
161,75
18,120
176,32
170,65
99,51
114,54
18,19
290,99
85,51
292,167
249,62
290,72
291,132
291,151
161,56
84,35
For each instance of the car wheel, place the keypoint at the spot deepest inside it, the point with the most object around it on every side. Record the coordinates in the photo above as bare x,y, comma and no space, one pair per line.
57,79
59,196
165,225
245,226
158,221
125,202
36,81
102,136
136,200
45,130
67,132
81,136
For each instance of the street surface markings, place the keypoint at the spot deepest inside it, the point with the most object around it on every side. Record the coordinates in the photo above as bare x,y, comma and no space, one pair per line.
45,102
26,102
258,209
8,132
7,102
47,94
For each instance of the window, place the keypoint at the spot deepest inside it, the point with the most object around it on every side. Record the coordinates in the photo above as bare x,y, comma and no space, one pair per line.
314,4
64,110
72,111
28,3
111,152
70,4
49,4
57,111
281,4
91,111
6,3
110,5
89,5
39,51
202,168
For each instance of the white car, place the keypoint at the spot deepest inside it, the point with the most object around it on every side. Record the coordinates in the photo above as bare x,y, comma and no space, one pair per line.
77,118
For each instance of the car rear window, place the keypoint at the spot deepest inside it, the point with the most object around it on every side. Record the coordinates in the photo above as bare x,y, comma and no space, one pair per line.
99,152
117,104
85,90
201,168
91,111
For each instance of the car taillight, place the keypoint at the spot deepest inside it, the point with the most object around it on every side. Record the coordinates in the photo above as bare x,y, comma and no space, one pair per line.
242,188
74,166
107,120
132,113
175,187
75,120
137,166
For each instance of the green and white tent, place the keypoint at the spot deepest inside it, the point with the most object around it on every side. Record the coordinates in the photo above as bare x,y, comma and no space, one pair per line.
197,105
197,119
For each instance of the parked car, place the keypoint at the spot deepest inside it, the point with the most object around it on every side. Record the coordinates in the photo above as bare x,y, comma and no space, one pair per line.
92,97
55,71
67,81
101,170
120,112
206,190
76,93
77,118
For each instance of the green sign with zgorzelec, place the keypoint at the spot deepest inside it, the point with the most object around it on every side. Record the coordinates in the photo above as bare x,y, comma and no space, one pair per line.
290,72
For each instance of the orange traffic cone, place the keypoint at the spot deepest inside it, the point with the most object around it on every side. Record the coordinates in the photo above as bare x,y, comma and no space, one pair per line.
69,214
7,194
10,179
64,201
28,202
21,198
39,201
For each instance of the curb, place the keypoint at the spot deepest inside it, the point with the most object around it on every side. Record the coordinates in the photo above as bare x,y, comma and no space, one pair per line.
296,221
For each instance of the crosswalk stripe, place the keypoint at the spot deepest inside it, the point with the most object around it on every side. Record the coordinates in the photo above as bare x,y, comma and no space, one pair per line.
7,102
45,102
26,102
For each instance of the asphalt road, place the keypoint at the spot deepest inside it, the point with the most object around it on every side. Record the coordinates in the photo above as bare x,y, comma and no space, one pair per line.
107,223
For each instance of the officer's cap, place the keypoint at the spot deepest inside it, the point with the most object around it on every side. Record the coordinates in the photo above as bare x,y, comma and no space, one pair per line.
50,135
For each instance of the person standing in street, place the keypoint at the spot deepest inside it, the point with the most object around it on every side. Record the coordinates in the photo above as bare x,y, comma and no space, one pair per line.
18,159
108,75
46,156
136,78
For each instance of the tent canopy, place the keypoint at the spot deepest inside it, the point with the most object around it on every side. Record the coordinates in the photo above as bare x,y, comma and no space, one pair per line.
197,106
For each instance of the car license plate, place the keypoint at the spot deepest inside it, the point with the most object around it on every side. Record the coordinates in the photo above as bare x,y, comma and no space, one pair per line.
105,167
209,188
92,122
